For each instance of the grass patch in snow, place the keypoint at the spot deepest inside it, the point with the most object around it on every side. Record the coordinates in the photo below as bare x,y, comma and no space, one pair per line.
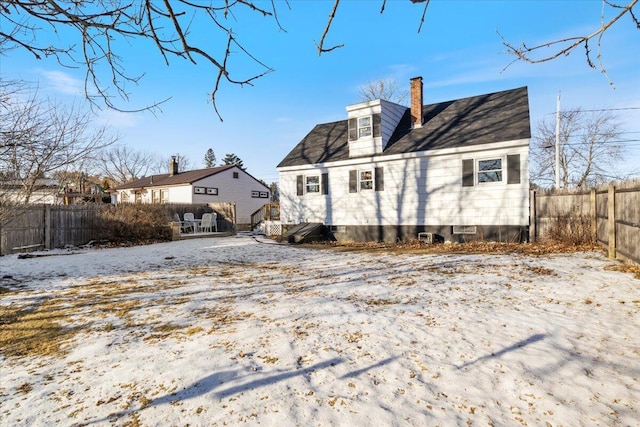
34,331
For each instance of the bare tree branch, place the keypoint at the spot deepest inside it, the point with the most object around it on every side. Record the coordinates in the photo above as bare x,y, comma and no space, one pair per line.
99,24
564,47
320,46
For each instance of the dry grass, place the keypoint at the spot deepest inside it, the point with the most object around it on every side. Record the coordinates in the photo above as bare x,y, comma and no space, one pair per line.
625,267
481,247
34,331
42,328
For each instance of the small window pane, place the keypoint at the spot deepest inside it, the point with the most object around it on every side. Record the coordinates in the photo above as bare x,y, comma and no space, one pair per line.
364,131
489,176
490,165
364,121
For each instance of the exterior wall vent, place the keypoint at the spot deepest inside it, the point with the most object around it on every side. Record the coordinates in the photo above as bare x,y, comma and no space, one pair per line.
464,229
426,238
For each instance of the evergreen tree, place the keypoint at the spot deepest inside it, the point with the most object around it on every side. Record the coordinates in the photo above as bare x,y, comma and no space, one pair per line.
210,158
232,159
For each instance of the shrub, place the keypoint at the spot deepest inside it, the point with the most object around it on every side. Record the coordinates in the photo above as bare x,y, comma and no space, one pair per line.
135,223
571,229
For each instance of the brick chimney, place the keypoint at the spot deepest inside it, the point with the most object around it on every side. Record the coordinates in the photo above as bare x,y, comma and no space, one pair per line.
416,102
173,166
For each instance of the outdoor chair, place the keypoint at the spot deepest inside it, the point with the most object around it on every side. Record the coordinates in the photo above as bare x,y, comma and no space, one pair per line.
189,221
214,221
205,223
184,227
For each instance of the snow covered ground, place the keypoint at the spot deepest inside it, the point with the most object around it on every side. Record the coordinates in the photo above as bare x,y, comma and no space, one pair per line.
229,331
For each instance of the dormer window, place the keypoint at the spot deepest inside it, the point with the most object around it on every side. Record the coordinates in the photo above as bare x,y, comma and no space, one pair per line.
364,126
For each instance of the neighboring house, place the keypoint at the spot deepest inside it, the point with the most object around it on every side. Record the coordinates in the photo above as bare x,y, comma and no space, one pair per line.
45,191
457,169
212,185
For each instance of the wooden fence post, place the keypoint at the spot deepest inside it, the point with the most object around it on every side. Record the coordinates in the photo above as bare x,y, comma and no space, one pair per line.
611,214
47,227
594,216
532,216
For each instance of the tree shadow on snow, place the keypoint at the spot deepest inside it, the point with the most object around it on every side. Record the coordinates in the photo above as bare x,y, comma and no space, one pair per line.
516,346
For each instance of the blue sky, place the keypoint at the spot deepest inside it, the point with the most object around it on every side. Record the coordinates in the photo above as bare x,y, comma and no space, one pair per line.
458,53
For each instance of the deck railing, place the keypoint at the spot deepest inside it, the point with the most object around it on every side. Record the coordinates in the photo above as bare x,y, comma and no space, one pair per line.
268,212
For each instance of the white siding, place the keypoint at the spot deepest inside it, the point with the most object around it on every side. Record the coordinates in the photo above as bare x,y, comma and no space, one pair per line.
424,190
365,146
391,115
236,190
180,194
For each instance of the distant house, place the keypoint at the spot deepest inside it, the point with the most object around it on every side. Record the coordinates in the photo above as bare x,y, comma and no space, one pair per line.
454,170
45,191
211,185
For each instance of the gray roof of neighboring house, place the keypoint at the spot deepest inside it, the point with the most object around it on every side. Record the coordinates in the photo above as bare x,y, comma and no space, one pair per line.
163,180
482,119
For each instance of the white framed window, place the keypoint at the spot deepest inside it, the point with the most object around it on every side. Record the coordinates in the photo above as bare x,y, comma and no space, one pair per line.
365,179
155,196
312,184
164,196
364,126
489,170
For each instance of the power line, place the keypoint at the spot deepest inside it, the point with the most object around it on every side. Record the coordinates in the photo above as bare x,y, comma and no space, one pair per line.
595,110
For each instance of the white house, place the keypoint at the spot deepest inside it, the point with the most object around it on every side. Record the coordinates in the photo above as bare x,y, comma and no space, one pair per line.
457,169
211,185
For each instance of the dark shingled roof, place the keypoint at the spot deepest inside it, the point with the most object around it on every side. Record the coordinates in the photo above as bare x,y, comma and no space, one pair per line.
164,180
482,119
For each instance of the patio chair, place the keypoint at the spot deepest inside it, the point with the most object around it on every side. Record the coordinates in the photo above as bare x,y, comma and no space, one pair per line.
214,221
184,227
205,223
189,221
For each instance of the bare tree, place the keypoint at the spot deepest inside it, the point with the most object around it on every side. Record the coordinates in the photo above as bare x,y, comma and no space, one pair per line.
387,89
162,165
41,136
121,164
590,148
100,26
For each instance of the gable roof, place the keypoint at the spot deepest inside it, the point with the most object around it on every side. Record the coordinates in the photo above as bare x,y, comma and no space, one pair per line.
482,119
163,180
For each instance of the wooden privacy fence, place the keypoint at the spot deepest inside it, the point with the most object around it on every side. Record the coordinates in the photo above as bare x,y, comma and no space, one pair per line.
50,226
608,214
37,227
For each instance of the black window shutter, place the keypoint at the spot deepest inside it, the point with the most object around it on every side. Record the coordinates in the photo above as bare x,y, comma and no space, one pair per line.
377,121
353,181
300,185
467,173
324,183
353,129
379,176
513,169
